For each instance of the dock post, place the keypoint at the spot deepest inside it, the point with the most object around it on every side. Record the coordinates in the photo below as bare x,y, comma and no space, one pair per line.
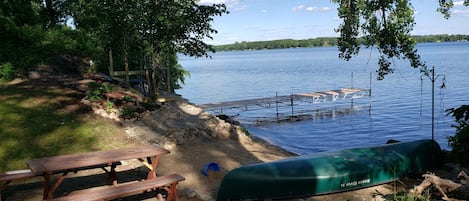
276,105
369,95
371,75
291,101
351,86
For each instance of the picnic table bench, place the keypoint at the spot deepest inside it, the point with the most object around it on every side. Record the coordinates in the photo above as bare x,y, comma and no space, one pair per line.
167,183
7,177
65,164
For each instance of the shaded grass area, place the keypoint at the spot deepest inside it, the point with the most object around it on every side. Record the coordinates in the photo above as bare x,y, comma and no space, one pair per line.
38,121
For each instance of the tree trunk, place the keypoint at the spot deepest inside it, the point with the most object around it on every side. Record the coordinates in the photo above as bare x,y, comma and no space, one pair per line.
111,63
126,63
155,67
169,87
126,67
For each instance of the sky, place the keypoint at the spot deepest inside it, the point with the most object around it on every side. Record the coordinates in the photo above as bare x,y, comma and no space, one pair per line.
261,20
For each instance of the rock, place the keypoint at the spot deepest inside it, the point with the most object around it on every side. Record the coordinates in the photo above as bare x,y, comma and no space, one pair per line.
34,75
379,198
228,119
391,141
168,146
463,178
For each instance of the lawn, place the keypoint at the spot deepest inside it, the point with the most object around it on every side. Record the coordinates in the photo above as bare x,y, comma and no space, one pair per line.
44,118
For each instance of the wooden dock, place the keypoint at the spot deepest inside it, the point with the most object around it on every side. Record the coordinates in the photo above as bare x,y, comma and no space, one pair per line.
292,107
313,97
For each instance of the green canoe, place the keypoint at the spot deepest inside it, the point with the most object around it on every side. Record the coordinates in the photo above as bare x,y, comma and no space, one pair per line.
329,172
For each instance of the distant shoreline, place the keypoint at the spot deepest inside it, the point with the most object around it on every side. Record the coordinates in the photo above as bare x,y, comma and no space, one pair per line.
324,42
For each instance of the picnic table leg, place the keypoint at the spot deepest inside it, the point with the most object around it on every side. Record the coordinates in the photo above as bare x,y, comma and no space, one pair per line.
46,185
56,185
172,193
112,177
154,165
3,187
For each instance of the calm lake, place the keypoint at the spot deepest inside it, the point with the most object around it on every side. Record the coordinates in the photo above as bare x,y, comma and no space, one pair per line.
399,106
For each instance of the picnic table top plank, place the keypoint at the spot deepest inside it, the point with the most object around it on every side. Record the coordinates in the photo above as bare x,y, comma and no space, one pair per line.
72,161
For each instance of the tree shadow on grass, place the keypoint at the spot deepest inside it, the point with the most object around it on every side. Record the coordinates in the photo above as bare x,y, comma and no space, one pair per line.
38,119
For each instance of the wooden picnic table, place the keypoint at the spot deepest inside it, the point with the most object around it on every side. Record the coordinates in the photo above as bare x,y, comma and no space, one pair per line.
73,162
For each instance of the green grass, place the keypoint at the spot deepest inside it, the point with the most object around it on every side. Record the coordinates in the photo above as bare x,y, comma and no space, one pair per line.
404,196
35,122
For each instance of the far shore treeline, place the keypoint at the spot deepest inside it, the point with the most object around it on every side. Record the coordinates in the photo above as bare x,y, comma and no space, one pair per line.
324,42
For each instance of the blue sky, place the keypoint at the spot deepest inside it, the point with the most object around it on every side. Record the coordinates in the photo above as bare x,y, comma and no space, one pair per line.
257,20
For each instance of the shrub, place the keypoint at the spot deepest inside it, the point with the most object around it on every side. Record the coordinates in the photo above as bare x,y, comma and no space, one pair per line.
403,196
128,98
107,87
7,71
95,92
128,112
460,141
109,105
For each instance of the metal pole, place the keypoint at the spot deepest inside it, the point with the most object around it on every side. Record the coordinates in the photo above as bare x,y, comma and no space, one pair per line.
433,103
433,79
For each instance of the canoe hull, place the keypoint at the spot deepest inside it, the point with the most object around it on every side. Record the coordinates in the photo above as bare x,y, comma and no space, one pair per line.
329,172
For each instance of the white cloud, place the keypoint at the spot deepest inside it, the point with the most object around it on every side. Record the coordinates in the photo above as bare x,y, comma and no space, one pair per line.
298,8
461,12
235,7
458,3
310,8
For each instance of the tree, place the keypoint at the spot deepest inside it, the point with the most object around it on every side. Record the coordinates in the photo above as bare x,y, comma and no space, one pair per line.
28,36
384,24
19,32
176,26
154,28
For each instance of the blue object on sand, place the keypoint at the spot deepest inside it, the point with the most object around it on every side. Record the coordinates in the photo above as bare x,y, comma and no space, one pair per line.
210,166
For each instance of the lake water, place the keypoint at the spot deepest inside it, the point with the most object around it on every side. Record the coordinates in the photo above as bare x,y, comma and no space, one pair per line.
399,107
